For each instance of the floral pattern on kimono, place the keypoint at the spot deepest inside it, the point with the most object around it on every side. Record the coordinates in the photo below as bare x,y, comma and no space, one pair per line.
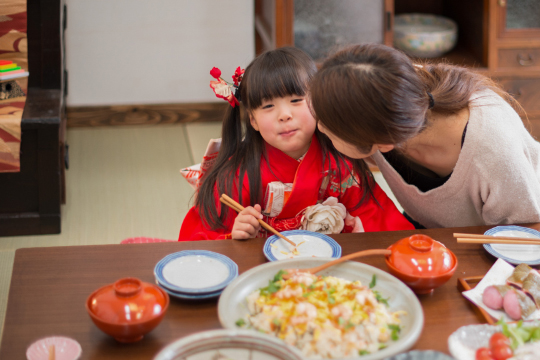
309,188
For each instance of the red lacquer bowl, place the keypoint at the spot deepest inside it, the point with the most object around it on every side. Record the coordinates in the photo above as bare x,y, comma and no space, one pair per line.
421,262
127,309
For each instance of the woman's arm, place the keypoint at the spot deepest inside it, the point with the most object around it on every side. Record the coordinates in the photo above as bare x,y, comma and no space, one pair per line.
511,192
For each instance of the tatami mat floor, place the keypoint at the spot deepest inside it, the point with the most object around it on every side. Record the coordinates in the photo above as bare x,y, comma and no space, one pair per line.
122,182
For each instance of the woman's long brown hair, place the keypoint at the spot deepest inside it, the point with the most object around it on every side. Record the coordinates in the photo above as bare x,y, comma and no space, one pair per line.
373,94
277,73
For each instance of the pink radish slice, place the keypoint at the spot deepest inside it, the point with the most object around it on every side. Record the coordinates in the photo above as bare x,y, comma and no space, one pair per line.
492,298
511,305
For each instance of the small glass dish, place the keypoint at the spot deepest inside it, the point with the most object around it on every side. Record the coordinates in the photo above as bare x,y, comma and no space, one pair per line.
64,349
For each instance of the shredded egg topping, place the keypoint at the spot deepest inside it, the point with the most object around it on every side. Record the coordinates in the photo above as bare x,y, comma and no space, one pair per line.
324,316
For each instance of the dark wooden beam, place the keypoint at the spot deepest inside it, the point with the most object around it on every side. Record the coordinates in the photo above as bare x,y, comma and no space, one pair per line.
86,116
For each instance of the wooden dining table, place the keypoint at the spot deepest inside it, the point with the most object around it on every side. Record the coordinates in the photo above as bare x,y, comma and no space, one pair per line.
49,287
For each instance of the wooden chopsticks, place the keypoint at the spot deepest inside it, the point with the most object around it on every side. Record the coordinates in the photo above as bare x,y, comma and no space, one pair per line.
52,352
488,239
236,206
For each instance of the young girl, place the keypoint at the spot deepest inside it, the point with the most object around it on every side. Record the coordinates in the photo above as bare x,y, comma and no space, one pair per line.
275,162
452,149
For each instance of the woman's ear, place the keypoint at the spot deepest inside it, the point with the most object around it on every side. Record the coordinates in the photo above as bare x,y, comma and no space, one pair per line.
385,147
253,123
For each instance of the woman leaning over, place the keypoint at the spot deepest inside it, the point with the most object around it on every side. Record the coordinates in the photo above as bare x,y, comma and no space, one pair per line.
448,141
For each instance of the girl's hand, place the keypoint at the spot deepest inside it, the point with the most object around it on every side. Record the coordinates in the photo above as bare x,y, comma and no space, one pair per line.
246,225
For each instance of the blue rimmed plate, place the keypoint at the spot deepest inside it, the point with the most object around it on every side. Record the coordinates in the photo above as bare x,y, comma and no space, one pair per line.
195,272
309,244
184,296
514,254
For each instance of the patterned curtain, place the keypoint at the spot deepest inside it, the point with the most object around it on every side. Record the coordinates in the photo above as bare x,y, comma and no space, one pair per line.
13,50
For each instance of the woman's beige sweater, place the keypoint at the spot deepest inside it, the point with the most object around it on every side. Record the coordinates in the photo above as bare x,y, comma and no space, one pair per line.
496,179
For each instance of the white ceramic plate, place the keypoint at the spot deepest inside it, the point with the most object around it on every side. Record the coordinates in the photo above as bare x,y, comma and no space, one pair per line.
64,349
421,355
515,254
464,342
312,245
183,296
195,272
232,304
228,344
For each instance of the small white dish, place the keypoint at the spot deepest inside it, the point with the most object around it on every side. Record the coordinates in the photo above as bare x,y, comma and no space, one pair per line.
464,342
515,254
232,303
229,344
195,272
64,348
309,244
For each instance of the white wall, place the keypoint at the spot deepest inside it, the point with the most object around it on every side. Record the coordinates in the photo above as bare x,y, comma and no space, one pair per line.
151,52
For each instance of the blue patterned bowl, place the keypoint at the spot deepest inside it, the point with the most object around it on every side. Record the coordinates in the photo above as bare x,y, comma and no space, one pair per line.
424,35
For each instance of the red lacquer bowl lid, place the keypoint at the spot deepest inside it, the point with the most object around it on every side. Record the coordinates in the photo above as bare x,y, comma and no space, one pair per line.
128,301
421,256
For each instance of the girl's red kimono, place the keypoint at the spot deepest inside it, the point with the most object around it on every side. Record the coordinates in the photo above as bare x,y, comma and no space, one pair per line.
312,183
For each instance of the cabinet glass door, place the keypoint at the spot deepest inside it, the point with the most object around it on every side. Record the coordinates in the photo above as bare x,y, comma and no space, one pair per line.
522,14
321,26
519,18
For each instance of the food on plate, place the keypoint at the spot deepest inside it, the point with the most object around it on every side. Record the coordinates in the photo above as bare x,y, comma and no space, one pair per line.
527,351
531,287
518,275
524,340
493,296
499,348
518,305
323,316
520,297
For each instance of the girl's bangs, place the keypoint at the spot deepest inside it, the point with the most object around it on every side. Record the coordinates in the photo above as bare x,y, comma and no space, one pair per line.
276,82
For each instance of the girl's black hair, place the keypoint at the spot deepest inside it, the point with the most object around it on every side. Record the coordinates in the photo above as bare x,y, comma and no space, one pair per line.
278,73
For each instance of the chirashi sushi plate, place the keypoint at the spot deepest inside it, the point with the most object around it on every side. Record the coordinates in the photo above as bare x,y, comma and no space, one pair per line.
233,304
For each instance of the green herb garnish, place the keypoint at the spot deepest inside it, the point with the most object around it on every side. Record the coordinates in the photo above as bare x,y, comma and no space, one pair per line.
240,322
396,329
373,281
379,298
279,275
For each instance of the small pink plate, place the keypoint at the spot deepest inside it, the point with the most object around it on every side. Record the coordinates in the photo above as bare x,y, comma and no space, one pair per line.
65,349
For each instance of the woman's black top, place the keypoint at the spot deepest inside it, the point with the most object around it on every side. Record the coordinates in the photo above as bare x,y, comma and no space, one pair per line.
423,181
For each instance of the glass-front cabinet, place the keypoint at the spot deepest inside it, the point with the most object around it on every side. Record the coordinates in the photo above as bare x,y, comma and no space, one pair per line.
515,54
321,26
499,38
519,18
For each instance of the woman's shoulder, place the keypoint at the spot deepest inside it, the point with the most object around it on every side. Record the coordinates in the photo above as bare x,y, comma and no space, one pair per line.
493,118
496,134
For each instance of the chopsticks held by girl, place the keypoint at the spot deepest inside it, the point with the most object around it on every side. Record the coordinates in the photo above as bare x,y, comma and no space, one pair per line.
447,140
274,161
